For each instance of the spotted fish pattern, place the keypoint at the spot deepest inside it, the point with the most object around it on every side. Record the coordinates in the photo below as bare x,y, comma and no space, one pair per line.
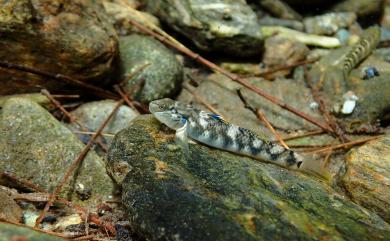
213,131
367,43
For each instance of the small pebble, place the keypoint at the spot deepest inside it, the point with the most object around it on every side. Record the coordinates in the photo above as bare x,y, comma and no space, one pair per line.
369,72
349,103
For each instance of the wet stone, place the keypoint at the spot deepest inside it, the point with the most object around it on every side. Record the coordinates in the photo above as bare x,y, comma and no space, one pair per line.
281,52
221,92
36,147
92,115
14,232
216,195
225,26
67,37
330,23
367,176
163,75
9,209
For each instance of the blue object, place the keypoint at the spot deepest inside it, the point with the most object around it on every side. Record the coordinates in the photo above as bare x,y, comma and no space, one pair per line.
370,72
215,116
183,119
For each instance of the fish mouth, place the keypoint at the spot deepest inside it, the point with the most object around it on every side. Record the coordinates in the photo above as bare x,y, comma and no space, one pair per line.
153,107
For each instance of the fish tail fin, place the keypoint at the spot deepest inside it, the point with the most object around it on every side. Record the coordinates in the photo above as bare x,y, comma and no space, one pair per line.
316,168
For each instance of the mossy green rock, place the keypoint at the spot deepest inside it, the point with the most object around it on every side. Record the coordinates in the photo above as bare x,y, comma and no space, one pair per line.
216,195
36,147
14,232
226,26
162,76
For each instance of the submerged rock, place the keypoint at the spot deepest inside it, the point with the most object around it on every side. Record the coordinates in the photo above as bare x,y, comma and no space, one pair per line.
216,195
93,114
367,176
219,25
9,209
329,23
66,37
281,52
39,98
36,147
162,77
15,232
367,10
220,91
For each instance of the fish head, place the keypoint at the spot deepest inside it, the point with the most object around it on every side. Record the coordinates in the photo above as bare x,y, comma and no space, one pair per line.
167,112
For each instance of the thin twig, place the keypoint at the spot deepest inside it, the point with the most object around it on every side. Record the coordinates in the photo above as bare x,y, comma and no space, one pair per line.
86,237
324,110
272,71
95,90
66,96
132,74
76,163
345,145
202,101
59,235
232,76
93,133
126,98
71,117
262,118
25,183
311,133
43,196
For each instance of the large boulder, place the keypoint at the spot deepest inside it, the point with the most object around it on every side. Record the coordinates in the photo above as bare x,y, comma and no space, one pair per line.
73,38
36,147
216,195
226,26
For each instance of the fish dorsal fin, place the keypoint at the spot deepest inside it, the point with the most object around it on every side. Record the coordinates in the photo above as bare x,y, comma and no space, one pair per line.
217,117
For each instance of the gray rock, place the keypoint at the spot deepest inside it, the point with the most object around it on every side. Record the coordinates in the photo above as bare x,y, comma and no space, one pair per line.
163,76
330,23
9,209
39,98
367,10
219,25
92,115
281,52
367,176
220,91
15,232
36,147
66,37
216,195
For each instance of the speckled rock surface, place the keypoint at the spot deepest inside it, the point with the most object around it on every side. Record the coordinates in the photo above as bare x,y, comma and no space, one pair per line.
367,176
162,77
220,91
9,209
73,38
226,26
93,114
14,232
329,23
215,195
279,52
36,147
36,97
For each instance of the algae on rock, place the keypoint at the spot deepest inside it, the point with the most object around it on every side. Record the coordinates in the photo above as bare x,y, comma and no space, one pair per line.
37,147
216,195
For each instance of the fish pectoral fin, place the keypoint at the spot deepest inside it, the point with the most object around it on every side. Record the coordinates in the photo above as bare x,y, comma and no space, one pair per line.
182,138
